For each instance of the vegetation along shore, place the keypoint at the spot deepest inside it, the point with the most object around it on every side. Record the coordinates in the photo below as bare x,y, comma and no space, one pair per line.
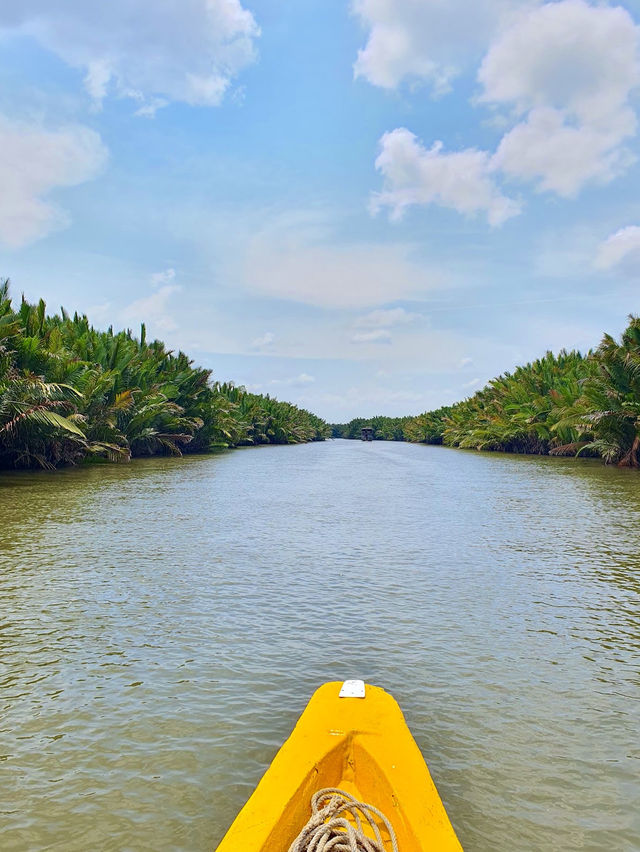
566,404
70,393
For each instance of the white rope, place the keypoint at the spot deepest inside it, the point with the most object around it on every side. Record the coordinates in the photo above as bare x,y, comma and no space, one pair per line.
329,830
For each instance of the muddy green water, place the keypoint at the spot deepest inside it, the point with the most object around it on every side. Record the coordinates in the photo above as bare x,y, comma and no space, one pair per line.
163,624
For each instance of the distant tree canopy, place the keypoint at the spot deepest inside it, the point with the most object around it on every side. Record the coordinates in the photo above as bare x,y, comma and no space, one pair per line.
565,404
69,392
425,428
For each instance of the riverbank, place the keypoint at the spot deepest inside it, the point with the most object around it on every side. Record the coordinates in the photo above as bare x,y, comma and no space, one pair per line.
70,393
567,404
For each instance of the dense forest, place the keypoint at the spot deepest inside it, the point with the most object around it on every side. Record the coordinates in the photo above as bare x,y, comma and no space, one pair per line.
565,404
70,393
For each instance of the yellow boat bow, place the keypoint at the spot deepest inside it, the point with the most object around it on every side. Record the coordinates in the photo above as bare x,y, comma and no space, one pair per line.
361,745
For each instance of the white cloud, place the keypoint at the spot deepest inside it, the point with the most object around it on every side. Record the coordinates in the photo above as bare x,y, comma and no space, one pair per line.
390,317
472,384
424,41
569,68
263,341
150,108
304,379
175,50
152,310
620,249
35,162
97,79
569,55
566,72
164,277
295,381
560,156
465,362
98,314
461,180
378,335
297,258
376,324
155,310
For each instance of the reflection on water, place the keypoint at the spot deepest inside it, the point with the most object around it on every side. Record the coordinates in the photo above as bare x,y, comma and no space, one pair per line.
162,625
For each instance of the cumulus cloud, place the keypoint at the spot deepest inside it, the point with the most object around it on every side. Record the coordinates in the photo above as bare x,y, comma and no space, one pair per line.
374,326
176,50
620,249
471,385
265,340
164,277
378,335
36,161
152,310
429,42
562,157
569,69
386,318
99,313
565,73
461,180
299,381
568,55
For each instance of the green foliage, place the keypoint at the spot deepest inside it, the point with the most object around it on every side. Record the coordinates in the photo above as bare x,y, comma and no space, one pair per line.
607,412
523,411
565,404
384,428
68,391
425,428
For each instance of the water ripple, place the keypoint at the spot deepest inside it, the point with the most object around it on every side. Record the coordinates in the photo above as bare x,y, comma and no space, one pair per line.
162,625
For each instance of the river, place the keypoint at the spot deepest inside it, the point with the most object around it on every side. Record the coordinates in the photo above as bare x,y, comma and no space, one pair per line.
163,623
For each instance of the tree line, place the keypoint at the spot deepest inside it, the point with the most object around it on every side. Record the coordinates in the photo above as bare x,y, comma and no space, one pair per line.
567,404
70,393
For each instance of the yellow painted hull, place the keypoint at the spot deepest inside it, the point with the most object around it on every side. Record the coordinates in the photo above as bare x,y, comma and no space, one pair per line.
361,745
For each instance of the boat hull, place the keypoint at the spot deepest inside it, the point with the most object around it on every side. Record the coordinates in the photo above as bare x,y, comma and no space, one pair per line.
361,745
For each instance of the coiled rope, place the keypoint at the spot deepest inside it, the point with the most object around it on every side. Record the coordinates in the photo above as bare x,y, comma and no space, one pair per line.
330,830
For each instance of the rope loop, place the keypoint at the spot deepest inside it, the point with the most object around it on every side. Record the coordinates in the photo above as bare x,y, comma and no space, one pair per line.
330,830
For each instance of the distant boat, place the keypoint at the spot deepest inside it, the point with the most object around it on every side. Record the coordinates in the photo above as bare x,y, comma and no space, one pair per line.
367,433
353,740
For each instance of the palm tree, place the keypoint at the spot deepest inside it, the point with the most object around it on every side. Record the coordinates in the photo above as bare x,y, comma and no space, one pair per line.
34,424
68,391
608,411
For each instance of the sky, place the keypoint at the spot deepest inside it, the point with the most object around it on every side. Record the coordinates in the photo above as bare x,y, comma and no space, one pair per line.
365,207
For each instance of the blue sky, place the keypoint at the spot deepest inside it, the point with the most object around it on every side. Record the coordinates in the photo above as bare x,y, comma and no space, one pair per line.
366,207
